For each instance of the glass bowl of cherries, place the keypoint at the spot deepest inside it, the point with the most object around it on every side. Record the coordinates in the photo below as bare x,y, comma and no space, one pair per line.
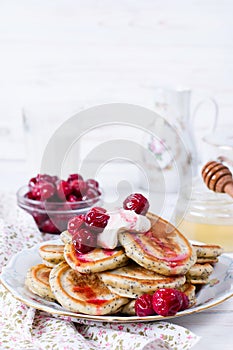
53,201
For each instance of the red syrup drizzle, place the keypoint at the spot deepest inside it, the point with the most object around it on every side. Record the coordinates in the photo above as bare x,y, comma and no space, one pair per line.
108,252
131,221
173,260
87,291
83,257
80,257
96,301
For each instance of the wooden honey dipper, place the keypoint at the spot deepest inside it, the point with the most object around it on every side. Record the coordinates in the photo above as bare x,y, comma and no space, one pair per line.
218,177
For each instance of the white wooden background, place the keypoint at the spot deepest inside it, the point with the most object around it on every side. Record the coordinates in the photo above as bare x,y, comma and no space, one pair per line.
77,53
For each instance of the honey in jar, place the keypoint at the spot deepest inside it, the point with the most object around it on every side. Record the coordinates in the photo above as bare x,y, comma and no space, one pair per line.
208,217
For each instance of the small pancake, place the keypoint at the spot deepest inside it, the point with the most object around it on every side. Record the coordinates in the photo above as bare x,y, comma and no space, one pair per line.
37,281
197,280
163,249
84,293
207,260
50,264
134,280
189,289
200,271
129,308
97,260
208,250
52,254
66,237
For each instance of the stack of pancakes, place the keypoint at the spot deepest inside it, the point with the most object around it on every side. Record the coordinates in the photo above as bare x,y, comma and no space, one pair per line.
106,281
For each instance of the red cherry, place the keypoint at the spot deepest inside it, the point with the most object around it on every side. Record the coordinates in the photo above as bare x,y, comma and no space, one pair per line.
75,223
63,189
48,227
91,193
78,187
43,177
54,179
72,177
92,183
167,301
97,219
39,218
136,202
43,190
47,190
36,193
84,241
32,182
143,305
100,209
185,301
72,198
30,195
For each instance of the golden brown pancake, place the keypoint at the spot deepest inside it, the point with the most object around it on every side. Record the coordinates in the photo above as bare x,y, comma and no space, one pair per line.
96,260
66,237
52,254
134,280
84,293
37,281
211,251
163,249
207,260
200,271
189,289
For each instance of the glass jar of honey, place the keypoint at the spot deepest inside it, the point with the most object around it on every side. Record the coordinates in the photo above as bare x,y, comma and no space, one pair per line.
208,217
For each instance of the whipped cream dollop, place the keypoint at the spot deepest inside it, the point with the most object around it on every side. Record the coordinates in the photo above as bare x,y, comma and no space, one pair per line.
118,219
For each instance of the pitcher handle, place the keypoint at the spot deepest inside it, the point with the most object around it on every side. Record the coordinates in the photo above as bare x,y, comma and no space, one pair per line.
226,160
216,111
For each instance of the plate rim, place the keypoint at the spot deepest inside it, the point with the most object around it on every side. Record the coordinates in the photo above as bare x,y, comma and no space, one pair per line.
105,318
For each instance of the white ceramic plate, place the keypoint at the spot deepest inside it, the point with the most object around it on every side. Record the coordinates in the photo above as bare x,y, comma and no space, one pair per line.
13,275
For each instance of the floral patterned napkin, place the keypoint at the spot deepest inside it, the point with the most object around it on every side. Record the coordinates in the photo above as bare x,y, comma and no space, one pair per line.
22,327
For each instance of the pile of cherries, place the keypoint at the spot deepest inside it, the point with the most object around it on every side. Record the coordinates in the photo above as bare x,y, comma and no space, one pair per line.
164,302
84,228
58,197
45,187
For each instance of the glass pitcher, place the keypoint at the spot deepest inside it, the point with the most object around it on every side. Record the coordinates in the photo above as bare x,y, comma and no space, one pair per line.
175,106
177,148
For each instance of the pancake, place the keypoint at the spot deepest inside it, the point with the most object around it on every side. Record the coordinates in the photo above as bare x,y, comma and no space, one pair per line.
129,308
134,280
84,293
52,254
163,249
208,250
189,289
198,271
50,264
97,260
37,281
207,260
197,280
66,237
